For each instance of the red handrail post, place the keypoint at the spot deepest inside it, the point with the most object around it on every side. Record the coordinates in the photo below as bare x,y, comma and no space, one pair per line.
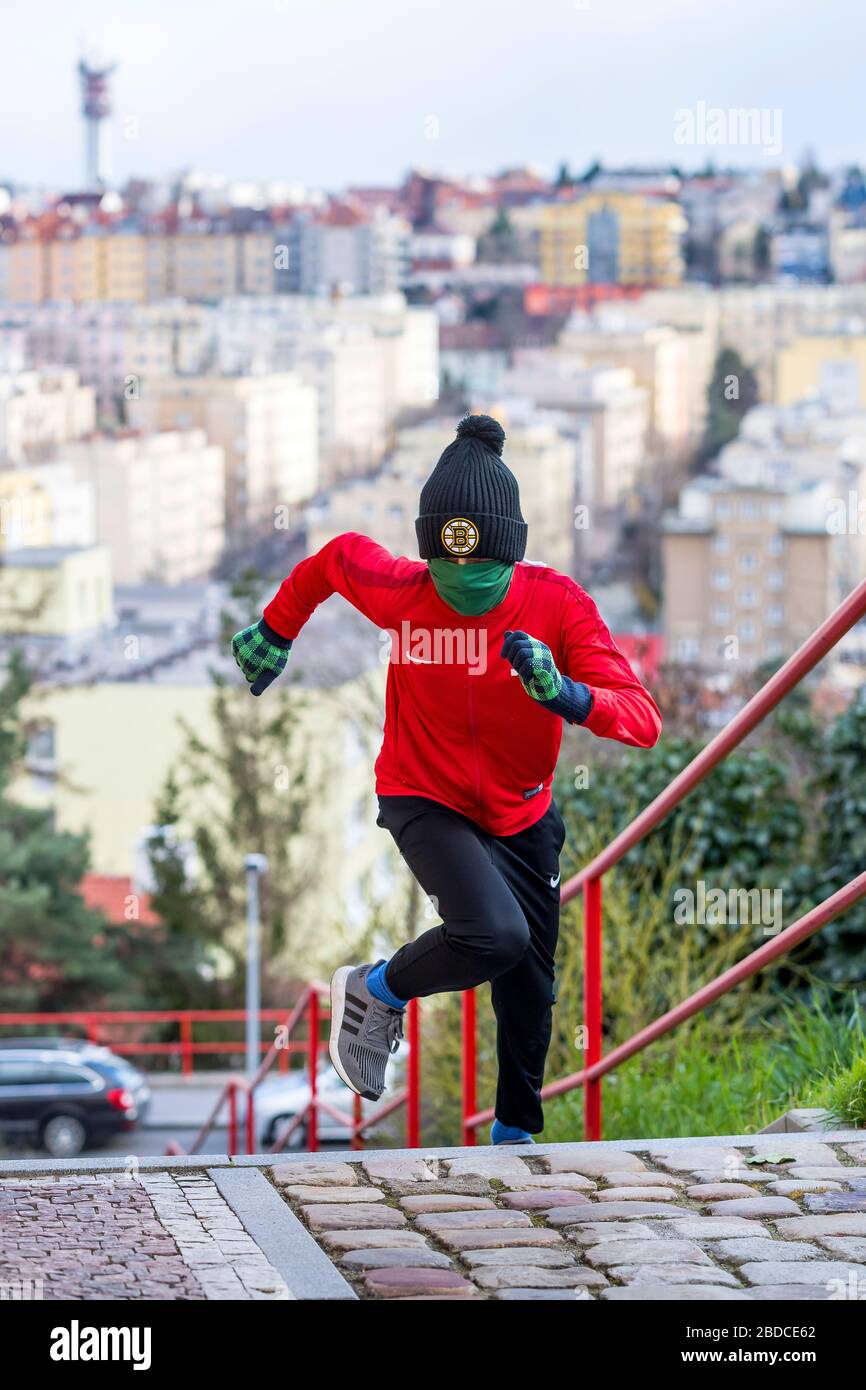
413,1077
470,1078
251,1120
357,1117
313,1064
186,1054
232,1091
592,1003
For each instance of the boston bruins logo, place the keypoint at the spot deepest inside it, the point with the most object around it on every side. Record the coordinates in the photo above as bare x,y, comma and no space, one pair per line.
459,536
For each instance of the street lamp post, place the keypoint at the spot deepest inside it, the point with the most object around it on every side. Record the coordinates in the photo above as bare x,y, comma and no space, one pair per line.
255,865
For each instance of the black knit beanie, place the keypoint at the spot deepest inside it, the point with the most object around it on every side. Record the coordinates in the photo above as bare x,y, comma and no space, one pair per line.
470,504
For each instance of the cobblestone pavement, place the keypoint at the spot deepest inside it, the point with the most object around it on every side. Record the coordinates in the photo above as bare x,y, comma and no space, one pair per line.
692,1223
118,1236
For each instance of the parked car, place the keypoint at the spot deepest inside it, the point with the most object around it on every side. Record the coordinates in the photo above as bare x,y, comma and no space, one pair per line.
280,1098
65,1095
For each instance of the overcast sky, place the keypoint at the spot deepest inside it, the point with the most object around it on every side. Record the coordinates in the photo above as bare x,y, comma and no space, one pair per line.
330,92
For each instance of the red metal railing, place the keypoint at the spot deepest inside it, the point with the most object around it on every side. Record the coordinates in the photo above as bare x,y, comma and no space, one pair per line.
237,1096
100,1026
589,881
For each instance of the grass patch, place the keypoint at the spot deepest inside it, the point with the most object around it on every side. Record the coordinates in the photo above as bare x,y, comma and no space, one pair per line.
702,1082
844,1095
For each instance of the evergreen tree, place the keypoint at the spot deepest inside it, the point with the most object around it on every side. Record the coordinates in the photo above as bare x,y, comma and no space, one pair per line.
55,953
499,244
731,394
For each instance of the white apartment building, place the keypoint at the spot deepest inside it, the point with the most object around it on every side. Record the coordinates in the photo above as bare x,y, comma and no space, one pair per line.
368,357
159,501
273,332
607,399
39,409
341,248
847,248
345,368
116,348
673,366
266,427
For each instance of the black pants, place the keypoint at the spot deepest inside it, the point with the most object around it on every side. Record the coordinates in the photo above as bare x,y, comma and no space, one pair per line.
498,897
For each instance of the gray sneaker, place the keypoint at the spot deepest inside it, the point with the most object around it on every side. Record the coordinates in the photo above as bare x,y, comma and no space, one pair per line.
364,1031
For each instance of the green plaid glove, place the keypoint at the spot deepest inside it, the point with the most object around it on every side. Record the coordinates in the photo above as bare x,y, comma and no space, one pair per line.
261,654
533,661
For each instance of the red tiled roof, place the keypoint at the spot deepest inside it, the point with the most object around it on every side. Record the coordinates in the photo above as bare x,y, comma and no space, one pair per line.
115,897
341,214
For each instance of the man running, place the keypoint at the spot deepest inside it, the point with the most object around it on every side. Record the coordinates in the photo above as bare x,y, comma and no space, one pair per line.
489,654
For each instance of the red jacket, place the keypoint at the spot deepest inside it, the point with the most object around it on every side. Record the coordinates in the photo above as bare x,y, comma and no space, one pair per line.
459,726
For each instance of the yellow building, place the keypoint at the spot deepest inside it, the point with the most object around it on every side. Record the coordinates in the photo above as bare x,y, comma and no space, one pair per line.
45,504
256,252
749,571
76,269
205,266
828,365
126,268
85,269
27,275
612,238
25,510
56,591
159,267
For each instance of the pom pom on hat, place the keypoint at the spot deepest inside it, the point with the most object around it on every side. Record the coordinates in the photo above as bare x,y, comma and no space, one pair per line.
485,428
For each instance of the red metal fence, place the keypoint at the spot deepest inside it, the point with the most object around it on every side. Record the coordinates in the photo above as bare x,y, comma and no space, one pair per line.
237,1097
112,1028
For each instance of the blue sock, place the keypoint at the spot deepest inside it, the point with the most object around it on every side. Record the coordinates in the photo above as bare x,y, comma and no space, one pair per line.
508,1134
378,987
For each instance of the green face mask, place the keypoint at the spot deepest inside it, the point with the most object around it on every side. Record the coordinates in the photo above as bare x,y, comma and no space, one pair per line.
471,589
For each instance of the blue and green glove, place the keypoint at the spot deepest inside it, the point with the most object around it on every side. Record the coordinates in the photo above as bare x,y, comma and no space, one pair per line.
533,661
261,654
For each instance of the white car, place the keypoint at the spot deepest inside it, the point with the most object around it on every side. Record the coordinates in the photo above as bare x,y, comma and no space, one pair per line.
280,1098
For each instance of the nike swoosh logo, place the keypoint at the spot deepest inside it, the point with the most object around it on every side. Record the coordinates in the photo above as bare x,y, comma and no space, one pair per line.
420,660
554,882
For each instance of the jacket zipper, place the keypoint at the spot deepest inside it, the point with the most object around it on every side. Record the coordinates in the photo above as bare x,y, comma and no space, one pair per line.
476,763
